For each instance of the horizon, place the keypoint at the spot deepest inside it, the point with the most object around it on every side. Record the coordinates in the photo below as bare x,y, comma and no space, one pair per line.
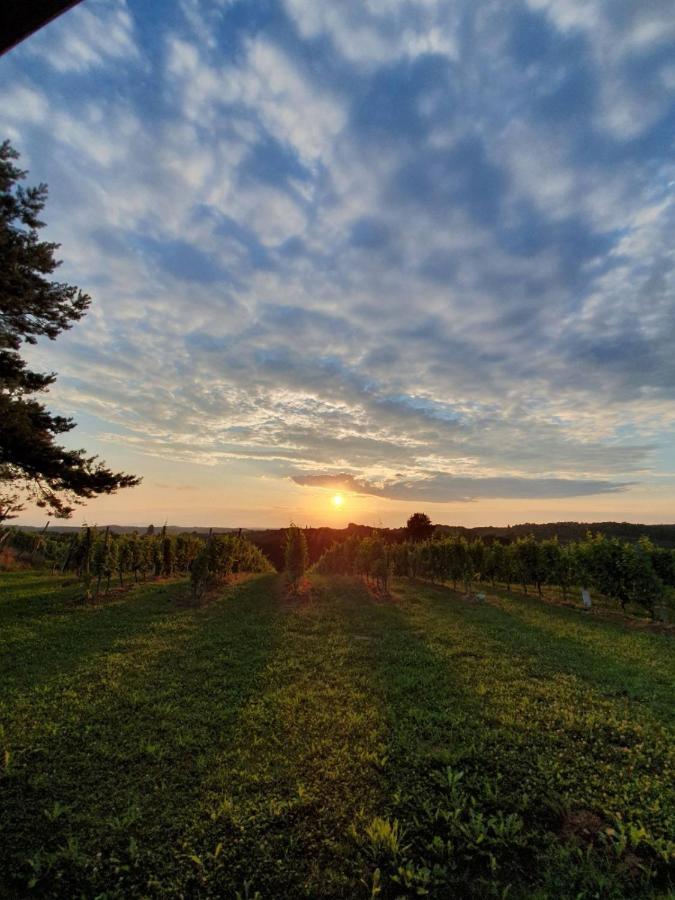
336,251
55,524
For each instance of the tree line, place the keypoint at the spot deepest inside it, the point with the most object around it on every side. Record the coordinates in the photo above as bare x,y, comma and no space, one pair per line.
628,573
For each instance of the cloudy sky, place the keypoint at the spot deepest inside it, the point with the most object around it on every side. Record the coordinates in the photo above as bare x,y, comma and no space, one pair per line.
419,253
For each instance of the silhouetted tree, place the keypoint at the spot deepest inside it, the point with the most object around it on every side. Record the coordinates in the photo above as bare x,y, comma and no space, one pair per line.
419,527
32,465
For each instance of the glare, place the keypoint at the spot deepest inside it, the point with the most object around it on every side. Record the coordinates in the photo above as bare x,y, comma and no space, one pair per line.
338,500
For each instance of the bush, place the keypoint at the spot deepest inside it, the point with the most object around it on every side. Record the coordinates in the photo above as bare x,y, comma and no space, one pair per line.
295,555
222,556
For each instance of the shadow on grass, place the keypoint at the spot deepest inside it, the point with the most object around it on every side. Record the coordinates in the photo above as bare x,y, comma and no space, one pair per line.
614,661
304,762
115,757
435,720
28,594
233,745
54,631
471,687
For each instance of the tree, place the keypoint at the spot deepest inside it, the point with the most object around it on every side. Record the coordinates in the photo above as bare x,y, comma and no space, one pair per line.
495,561
187,548
603,566
156,546
104,560
551,560
168,555
531,562
477,557
645,586
663,561
419,527
380,563
125,555
295,554
459,562
32,465
569,568
82,553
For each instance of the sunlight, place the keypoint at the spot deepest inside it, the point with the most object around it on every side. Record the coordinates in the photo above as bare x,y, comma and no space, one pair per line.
337,500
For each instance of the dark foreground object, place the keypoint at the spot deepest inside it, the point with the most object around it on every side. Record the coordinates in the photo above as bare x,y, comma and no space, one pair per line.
21,18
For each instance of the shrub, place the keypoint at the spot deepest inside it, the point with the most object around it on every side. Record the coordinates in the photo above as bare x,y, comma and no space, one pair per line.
221,556
295,555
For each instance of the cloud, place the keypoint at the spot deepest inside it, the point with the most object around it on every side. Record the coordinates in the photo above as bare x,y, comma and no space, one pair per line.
96,34
442,488
325,237
371,36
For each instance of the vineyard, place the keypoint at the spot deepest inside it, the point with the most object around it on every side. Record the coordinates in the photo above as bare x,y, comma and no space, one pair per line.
180,720
98,558
635,576
639,576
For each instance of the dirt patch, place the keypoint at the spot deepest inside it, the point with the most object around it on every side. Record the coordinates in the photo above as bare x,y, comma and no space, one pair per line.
184,597
299,597
633,865
632,622
582,826
381,596
104,598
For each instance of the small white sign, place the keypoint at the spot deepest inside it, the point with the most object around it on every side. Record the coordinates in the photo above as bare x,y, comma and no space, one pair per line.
586,598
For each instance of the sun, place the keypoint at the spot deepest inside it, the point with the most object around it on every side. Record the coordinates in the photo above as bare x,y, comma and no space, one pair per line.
337,500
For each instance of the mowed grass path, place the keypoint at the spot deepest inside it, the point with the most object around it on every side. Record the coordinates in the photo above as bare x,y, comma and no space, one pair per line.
331,746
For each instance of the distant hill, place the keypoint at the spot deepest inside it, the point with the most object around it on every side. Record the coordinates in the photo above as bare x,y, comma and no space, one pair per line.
129,529
270,540
661,535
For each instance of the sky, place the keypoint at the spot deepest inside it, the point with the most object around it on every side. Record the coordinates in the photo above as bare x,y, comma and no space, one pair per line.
416,253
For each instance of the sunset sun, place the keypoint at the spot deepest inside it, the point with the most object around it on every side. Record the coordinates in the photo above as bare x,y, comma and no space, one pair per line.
337,500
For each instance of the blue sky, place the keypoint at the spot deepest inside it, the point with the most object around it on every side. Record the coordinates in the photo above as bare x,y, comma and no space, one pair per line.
419,252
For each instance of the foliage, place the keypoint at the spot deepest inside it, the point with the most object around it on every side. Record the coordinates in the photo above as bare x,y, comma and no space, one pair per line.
344,748
271,540
105,559
624,572
369,557
32,465
419,527
224,555
91,553
295,555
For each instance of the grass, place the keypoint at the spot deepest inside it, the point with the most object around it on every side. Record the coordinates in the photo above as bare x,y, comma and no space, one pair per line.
329,746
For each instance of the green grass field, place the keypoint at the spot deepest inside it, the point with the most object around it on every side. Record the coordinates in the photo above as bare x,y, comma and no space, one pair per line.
332,746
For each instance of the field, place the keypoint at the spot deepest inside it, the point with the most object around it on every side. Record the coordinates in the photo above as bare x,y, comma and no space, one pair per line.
332,745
